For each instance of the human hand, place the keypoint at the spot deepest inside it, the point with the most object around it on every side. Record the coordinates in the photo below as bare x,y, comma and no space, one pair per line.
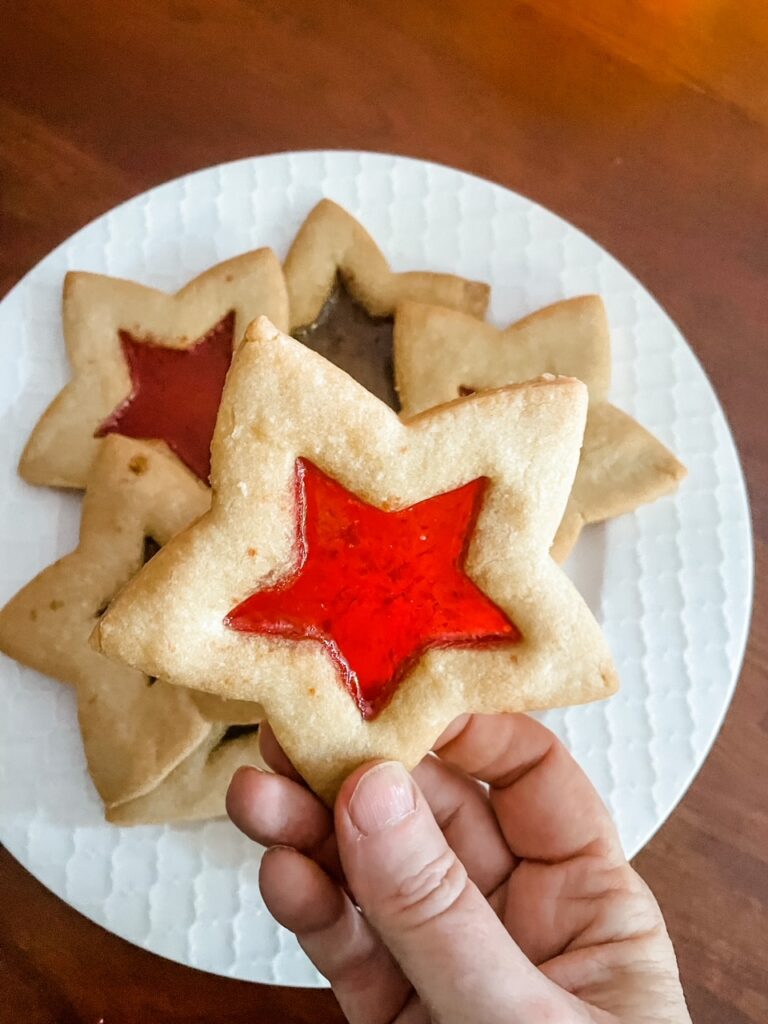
511,905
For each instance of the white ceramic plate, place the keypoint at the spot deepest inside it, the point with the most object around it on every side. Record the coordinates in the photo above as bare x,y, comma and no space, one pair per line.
670,583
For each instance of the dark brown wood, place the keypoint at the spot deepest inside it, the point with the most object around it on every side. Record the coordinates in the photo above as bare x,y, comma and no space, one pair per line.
645,123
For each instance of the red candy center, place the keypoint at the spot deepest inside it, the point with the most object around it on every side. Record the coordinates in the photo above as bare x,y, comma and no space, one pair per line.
175,394
377,588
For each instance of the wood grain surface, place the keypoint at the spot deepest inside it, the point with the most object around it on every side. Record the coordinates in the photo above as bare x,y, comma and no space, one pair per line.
644,122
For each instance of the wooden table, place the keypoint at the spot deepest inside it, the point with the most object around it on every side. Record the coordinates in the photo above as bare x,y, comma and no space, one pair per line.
644,122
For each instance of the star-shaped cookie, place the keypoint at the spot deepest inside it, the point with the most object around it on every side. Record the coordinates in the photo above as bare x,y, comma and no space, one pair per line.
148,364
343,296
440,354
136,729
285,409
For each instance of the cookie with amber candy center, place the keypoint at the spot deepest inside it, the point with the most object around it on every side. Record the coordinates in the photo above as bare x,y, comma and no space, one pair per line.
343,296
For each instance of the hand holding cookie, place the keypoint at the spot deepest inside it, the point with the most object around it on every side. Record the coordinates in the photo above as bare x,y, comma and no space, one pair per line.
430,897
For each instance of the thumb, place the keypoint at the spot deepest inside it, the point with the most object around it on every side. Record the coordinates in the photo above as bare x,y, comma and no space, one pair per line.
416,894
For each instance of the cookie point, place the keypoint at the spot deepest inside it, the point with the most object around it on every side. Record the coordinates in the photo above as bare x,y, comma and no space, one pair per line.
261,329
573,384
589,300
73,280
328,204
610,678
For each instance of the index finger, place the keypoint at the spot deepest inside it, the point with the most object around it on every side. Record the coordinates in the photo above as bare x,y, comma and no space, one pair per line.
547,808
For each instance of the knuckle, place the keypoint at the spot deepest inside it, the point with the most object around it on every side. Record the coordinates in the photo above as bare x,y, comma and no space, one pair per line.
430,891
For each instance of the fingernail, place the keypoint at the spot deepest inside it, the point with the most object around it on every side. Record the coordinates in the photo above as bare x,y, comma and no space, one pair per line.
382,798
245,769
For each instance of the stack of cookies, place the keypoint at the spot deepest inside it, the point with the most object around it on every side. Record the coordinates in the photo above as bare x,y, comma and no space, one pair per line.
328,495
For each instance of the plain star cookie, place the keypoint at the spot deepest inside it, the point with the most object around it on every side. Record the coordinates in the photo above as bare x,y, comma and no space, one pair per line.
343,296
440,354
148,365
136,729
331,516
